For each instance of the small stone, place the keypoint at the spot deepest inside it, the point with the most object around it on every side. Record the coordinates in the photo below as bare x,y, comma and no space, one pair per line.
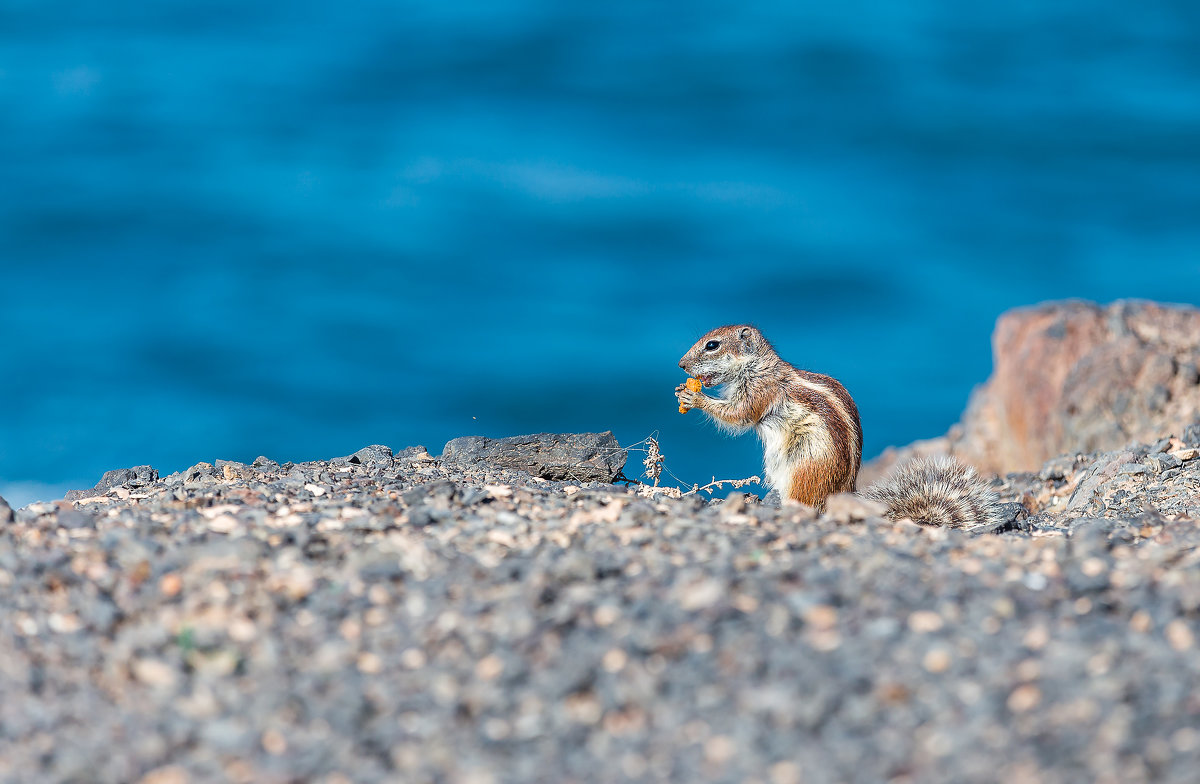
583,708
476,776
719,749
937,661
415,454
785,773
413,658
734,504
154,672
703,594
502,538
1141,622
138,476
497,729
198,471
376,453
1058,468
1036,638
1179,635
746,603
75,519
167,774
1185,739
614,660
297,582
316,490
489,668
849,507
925,621
606,615
274,743
1024,698
63,623
224,524
1161,445
820,616
1164,461
369,663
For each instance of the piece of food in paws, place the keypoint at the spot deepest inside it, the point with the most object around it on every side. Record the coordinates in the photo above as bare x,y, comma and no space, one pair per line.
693,384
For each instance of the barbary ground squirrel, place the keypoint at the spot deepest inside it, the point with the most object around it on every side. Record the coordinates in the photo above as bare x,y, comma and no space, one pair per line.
811,435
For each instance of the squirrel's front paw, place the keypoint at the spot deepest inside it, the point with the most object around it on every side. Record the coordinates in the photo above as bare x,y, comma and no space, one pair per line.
688,398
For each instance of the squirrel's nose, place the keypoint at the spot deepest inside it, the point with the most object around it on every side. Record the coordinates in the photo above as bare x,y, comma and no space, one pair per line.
682,362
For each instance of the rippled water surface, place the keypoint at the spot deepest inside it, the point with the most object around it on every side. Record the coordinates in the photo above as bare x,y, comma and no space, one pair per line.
295,229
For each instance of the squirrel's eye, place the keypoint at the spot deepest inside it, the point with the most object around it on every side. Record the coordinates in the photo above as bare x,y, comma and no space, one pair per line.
712,345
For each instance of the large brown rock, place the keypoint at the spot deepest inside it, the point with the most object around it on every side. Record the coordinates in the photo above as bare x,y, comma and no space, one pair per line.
1075,377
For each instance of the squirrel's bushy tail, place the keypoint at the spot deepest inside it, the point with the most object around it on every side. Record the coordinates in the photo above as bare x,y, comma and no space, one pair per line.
937,491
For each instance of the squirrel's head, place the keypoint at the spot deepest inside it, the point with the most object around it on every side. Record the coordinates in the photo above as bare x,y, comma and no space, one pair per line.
722,354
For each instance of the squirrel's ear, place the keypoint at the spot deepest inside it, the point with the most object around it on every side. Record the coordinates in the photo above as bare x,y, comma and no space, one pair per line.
746,336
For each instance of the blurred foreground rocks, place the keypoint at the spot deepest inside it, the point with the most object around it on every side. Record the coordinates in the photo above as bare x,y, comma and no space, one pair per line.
1074,377
391,616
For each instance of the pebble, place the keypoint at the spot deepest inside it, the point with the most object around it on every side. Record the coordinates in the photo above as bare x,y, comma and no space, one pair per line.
225,524
170,584
615,660
924,621
1179,635
1024,698
153,672
489,668
937,660
168,774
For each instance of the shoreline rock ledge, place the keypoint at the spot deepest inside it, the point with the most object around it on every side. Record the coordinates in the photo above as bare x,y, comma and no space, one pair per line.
1073,378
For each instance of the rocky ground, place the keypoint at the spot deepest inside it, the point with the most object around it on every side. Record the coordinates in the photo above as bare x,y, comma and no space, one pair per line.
395,617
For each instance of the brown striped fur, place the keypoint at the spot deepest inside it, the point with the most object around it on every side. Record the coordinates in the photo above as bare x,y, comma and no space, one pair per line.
812,436
808,423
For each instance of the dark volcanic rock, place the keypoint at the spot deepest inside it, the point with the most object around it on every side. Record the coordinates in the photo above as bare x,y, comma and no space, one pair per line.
138,476
579,457
375,453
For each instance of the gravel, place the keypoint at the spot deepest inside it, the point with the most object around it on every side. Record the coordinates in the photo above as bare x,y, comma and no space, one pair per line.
393,617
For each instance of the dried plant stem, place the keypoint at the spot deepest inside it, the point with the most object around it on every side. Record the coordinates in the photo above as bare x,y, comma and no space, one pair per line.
655,466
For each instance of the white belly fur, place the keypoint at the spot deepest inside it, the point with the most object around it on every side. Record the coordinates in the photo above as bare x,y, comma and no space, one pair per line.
801,434
775,466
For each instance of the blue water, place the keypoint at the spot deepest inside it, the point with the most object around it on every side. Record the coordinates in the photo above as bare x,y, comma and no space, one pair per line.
293,229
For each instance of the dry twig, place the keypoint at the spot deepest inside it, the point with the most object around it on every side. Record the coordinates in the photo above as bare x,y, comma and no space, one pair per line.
655,464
